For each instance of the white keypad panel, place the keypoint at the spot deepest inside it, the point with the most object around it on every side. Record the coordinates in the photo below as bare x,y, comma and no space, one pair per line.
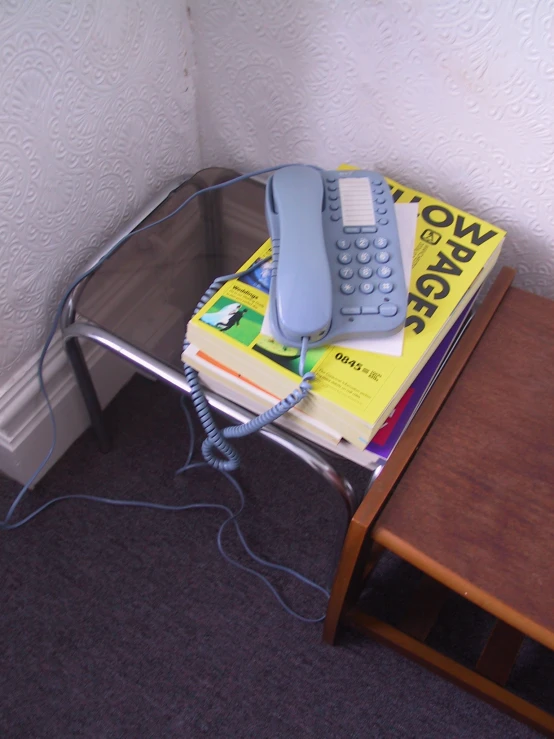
356,202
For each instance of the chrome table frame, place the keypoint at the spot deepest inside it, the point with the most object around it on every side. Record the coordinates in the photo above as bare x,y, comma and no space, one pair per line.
74,330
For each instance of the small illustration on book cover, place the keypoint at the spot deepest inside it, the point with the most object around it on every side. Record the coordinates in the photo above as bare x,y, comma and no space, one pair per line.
235,319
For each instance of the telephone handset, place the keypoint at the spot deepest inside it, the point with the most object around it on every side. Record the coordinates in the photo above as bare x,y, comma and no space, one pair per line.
337,266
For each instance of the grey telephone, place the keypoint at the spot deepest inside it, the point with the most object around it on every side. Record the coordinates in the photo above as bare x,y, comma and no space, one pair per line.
337,266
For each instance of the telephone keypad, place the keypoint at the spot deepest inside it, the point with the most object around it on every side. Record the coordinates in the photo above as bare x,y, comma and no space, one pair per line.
362,300
359,228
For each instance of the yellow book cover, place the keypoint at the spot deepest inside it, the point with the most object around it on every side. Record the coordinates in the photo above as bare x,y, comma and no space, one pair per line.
454,251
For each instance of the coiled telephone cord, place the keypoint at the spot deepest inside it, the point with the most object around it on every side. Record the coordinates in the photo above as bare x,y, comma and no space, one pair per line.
216,450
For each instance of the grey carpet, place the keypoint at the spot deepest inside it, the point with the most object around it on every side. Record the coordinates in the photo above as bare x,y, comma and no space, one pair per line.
128,623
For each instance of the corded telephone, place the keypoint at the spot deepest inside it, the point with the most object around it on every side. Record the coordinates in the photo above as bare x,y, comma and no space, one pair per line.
294,225
337,267
306,222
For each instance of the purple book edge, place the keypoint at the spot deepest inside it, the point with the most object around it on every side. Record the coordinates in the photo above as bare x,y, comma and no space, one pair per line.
420,386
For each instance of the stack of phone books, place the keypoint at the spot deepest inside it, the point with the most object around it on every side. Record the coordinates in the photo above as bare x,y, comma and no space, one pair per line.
365,392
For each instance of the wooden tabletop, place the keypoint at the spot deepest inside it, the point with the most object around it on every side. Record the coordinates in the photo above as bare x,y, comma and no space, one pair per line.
475,508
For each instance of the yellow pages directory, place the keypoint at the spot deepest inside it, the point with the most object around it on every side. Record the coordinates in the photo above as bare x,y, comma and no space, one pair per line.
354,391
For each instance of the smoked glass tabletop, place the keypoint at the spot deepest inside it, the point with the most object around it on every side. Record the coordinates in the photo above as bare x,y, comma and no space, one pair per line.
155,279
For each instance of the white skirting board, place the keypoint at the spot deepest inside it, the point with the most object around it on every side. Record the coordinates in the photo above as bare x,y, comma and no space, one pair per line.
129,304
25,425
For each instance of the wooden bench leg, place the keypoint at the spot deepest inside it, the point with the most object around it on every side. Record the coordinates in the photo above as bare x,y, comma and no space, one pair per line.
424,608
500,652
354,565
464,677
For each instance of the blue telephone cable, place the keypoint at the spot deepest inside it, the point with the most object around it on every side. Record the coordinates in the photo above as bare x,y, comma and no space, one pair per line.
57,316
216,435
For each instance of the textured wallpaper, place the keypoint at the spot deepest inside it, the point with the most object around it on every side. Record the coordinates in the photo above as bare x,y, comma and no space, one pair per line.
96,116
454,97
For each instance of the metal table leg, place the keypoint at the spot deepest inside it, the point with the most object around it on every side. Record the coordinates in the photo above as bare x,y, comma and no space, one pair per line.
73,348
176,379
299,448
88,392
